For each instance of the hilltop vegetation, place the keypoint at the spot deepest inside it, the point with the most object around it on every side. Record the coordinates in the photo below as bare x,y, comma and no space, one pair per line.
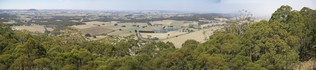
287,39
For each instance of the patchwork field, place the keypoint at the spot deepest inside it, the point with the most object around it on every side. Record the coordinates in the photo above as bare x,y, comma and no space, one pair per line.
198,36
163,35
109,28
125,29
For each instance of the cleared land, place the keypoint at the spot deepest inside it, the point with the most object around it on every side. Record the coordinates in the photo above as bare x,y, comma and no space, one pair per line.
96,30
198,36
109,28
32,28
127,29
92,24
162,35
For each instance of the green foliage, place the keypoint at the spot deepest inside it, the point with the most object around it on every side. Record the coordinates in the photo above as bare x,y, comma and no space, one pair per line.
42,63
191,44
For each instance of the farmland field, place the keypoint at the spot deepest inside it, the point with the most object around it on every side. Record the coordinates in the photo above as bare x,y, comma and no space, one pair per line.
198,36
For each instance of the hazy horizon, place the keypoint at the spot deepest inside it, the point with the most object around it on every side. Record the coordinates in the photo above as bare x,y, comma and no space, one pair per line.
258,7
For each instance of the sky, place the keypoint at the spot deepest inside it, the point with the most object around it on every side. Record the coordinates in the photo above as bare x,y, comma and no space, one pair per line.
257,7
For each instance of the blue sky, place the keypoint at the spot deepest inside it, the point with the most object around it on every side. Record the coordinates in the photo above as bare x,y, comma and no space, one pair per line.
257,7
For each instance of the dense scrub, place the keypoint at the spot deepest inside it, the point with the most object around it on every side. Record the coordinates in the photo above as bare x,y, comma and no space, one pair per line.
278,44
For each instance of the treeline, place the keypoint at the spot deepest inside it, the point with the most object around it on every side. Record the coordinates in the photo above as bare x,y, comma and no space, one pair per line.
193,17
278,44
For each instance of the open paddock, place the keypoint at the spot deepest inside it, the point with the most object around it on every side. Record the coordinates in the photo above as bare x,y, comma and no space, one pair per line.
197,35
32,28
